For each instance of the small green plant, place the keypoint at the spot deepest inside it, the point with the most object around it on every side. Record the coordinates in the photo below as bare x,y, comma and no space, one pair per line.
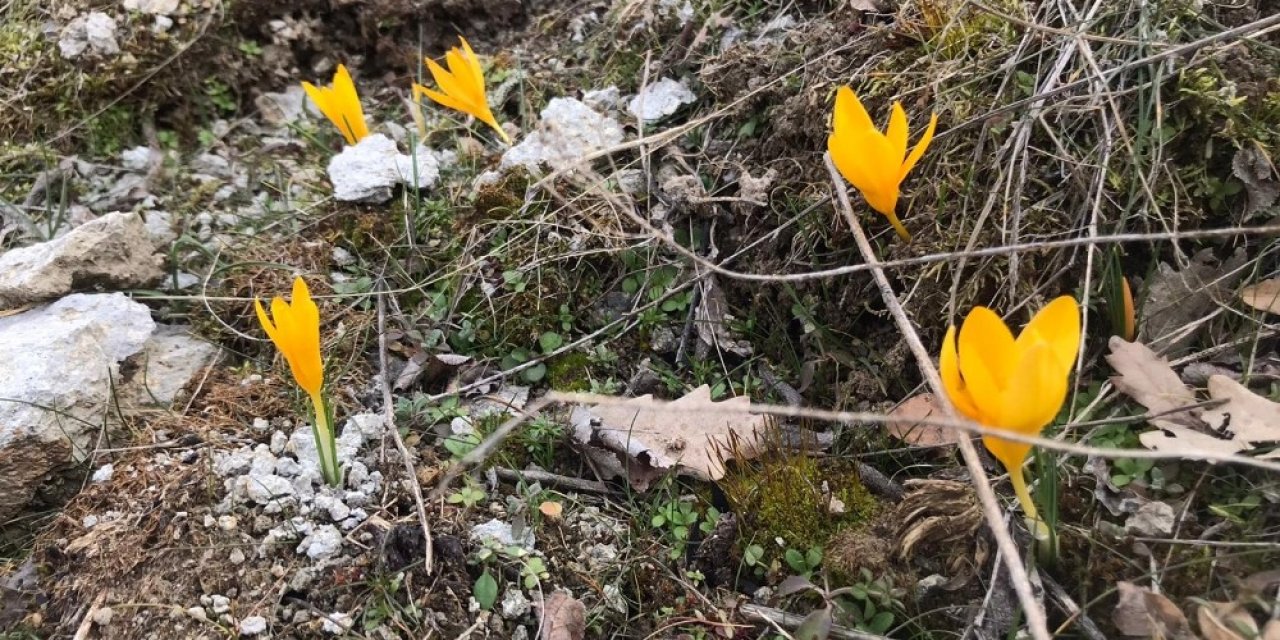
803,563
485,590
461,444
675,518
533,571
468,496
219,95
870,605
540,438
250,48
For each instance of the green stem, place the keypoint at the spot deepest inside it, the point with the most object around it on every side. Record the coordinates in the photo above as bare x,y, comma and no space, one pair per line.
1034,523
326,443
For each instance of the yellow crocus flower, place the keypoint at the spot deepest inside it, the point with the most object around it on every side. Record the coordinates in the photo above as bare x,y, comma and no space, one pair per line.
340,103
295,330
461,87
874,162
1013,384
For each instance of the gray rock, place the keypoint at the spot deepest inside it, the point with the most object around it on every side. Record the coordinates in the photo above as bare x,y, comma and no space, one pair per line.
366,171
211,165
65,355
603,100
324,542
264,489
427,172
154,7
220,604
103,473
660,99
501,532
279,109
137,158
95,32
113,251
253,625
1153,519
514,604
568,132
337,623
369,170
170,359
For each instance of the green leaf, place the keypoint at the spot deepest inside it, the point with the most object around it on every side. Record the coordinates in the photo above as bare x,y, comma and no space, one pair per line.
880,622
795,560
816,626
536,372
550,341
630,286
485,591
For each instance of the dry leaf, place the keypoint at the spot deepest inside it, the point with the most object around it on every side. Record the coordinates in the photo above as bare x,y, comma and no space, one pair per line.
905,423
1271,631
1176,300
712,318
1263,296
563,618
551,509
1147,378
1242,422
668,436
1255,169
1225,621
1145,614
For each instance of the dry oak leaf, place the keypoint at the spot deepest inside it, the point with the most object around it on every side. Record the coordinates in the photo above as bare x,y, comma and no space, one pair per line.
1242,422
671,436
1263,296
1225,621
1144,613
904,423
563,618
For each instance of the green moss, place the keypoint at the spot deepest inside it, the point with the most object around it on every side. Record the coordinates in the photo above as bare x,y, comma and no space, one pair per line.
781,495
570,372
501,199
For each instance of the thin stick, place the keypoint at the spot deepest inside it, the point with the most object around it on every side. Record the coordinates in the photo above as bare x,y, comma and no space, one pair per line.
388,408
553,479
1036,621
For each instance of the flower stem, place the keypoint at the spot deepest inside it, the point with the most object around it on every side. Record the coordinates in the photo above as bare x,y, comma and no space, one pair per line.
1038,528
326,444
897,226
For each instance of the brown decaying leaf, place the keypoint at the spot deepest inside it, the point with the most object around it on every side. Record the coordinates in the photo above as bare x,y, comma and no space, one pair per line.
563,618
1243,421
668,436
1263,296
905,423
1225,621
1144,613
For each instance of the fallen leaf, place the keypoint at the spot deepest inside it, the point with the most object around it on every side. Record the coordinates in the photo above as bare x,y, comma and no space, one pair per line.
1144,613
551,509
1176,300
1271,631
1225,621
864,5
1148,379
563,618
669,436
1253,168
1249,417
712,319
905,424
1263,296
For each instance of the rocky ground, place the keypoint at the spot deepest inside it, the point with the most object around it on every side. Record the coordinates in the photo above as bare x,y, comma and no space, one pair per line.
663,224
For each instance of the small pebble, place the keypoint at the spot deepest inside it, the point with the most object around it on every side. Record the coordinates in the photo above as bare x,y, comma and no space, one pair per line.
253,625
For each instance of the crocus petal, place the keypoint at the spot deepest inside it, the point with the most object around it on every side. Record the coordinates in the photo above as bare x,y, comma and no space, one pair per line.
850,115
266,323
449,85
986,358
462,73
1058,325
870,154
949,368
1011,454
896,133
1035,393
473,62
352,114
442,99
919,149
